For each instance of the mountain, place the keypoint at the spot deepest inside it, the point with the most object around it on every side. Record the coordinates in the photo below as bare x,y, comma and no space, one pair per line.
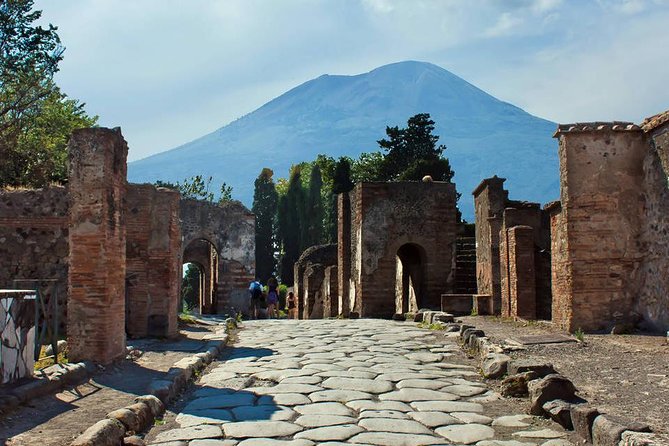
346,115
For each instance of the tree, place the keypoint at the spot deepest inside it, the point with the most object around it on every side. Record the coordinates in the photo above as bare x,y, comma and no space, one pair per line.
368,167
290,221
342,176
265,202
197,188
314,209
190,287
36,118
412,152
226,194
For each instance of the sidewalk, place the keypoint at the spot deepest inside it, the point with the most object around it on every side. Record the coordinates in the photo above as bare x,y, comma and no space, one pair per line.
58,419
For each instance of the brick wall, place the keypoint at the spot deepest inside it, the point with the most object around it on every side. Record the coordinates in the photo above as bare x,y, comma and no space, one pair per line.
34,243
343,253
153,247
309,276
518,274
387,216
602,203
96,283
330,292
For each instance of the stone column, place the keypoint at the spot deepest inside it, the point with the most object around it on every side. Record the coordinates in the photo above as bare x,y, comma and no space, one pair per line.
96,282
343,252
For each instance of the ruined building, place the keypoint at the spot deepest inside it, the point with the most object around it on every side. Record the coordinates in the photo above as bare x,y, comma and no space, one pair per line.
112,253
609,233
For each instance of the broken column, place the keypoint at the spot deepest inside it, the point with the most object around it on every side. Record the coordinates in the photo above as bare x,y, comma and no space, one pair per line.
96,282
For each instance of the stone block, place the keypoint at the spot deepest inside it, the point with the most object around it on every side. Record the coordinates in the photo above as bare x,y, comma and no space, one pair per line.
495,365
156,405
551,387
607,430
582,419
105,432
560,412
516,385
127,417
143,413
527,365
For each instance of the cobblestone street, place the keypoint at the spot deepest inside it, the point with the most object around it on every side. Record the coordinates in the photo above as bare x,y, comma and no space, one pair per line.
334,382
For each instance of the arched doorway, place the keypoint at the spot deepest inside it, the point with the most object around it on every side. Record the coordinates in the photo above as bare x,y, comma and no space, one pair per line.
410,278
200,266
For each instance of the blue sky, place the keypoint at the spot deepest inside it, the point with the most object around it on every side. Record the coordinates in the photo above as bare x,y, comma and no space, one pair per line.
169,71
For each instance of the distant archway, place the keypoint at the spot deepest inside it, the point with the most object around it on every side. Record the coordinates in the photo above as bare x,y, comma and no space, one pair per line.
202,259
410,278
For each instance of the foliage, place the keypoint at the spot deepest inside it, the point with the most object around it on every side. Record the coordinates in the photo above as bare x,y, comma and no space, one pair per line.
190,287
368,167
197,188
265,204
579,334
434,326
291,224
36,118
314,209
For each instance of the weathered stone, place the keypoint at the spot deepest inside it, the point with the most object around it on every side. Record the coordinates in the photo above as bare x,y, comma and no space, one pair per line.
541,369
156,406
464,390
470,417
312,421
434,419
394,439
272,442
362,385
127,417
107,432
607,430
133,440
328,408
207,416
552,387
631,438
560,412
330,433
383,414
582,419
263,412
516,385
512,421
260,429
466,433
447,406
362,405
543,433
342,396
189,433
408,395
394,425
143,413
495,365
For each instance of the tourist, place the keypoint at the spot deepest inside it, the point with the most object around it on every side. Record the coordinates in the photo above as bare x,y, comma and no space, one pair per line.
291,305
272,301
255,290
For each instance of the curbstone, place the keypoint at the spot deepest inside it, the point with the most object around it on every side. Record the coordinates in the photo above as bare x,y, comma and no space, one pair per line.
105,432
582,418
560,412
157,407
127,417
551,387
607,430
516,385
494,365
143,413
527,365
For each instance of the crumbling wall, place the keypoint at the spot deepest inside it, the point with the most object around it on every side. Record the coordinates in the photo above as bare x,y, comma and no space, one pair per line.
602,204
653,302
330,292
490,200
153,248
230,227
519,298
310,277
387,216
96,281
34,244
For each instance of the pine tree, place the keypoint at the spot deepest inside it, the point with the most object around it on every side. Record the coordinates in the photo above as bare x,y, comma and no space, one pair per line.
265,203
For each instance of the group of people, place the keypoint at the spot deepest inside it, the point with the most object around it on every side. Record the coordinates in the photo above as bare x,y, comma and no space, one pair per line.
269,299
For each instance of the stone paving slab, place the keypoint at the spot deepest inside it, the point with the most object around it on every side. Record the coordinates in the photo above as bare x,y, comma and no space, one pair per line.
336,382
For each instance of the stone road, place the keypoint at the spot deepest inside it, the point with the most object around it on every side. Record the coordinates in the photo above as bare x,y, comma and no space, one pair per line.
333,382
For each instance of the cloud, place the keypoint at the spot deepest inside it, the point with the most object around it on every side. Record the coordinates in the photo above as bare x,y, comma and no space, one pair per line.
168,71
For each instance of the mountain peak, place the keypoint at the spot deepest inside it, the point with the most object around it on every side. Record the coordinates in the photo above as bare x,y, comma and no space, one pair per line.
345,115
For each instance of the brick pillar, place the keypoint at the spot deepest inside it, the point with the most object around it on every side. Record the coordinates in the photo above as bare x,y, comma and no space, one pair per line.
96,282
343,252
331,291
521,282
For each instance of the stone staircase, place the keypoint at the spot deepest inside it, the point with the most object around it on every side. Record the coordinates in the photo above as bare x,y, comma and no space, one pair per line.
465,266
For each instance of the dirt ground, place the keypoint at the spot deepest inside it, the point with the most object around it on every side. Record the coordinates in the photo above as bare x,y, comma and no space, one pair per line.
625,375
57,419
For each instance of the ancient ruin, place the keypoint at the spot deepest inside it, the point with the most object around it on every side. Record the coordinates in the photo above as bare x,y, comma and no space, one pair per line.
607,236
112,253
396,246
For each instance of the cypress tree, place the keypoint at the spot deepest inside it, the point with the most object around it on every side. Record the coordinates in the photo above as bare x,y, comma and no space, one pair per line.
265,203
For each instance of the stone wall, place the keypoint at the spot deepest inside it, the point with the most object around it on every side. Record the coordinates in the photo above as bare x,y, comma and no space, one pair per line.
344,241
519,298
309,285
653,302
96,280
385,217
153,248
34,243
330,291
602,202
230,228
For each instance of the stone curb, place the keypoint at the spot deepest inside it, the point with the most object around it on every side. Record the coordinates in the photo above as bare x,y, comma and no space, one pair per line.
142,414
56,378
594,427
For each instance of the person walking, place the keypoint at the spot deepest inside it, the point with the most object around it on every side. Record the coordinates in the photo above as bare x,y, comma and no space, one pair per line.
255,290
291,305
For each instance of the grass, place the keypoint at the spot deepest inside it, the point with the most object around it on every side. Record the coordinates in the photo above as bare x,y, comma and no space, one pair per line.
474,312
579,335
46,362
409,316
436,326
187,318
158,422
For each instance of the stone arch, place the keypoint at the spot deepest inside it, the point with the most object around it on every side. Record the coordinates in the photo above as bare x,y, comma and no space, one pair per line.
203,253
